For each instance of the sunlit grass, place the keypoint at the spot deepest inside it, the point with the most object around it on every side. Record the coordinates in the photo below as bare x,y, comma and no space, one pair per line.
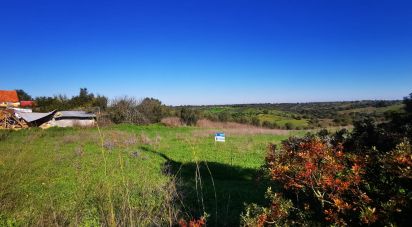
57,176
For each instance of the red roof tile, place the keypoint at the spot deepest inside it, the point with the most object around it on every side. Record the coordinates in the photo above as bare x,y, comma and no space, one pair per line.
8,96
26,103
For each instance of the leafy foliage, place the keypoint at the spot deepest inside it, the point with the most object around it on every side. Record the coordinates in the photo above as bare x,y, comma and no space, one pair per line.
23,95
153,109
126,110
188,116
408,103
277,213
321,172
193,223
357,178
324,179
301,115
131,110
84,100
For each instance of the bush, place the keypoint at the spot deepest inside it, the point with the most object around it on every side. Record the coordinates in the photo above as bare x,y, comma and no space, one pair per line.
126,110
224,117
153,109
329,184
188,116
277,214
358,178
289,125
267,124
130,110
255,121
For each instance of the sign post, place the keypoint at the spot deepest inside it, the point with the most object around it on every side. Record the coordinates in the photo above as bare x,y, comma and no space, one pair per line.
219,137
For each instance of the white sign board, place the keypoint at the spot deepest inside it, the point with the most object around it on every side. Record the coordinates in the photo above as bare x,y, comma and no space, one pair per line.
219,137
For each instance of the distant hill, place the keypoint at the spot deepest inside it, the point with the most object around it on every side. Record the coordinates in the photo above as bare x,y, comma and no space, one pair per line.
301,115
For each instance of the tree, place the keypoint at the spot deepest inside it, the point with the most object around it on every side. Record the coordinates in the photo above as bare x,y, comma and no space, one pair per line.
23,96
125,110
101,102
57,102
84,99
188,116
152,109
408,103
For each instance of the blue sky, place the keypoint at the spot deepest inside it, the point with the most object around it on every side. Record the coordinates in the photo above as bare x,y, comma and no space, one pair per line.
209,52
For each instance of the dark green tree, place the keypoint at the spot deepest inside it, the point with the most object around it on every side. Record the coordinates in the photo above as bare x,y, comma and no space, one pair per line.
408,103
188,116
23,96
84,99
153,109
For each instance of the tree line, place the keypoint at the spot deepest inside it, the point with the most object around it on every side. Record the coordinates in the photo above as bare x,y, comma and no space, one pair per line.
150,110
118,110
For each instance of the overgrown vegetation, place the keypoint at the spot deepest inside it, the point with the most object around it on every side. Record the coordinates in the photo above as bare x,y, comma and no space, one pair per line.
131,110
134,173
119,110
188,116
301,115
357,178
155,175
274,116
85,100
64,177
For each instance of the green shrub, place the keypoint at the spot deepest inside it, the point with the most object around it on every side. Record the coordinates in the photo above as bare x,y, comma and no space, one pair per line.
289,126
153,109
188,116
255,121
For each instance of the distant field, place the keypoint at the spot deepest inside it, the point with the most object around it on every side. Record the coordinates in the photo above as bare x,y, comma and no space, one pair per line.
301,115
395,107
282,120
64,177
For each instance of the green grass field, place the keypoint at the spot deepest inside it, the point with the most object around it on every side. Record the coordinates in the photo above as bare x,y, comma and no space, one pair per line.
280,118
131,175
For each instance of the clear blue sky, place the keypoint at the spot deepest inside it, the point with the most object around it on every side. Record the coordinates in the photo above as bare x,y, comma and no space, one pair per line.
209,52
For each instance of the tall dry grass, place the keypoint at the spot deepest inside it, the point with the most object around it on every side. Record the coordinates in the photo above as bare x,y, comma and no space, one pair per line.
172,121
233,128
121,210
78,177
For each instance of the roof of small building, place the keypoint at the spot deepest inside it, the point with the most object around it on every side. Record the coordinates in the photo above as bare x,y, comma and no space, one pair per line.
8,96
31,117
26,103
73,114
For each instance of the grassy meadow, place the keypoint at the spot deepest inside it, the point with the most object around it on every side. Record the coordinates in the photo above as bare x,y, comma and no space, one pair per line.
128,175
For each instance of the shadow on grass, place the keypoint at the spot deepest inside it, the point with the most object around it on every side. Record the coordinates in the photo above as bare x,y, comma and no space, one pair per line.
234,186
